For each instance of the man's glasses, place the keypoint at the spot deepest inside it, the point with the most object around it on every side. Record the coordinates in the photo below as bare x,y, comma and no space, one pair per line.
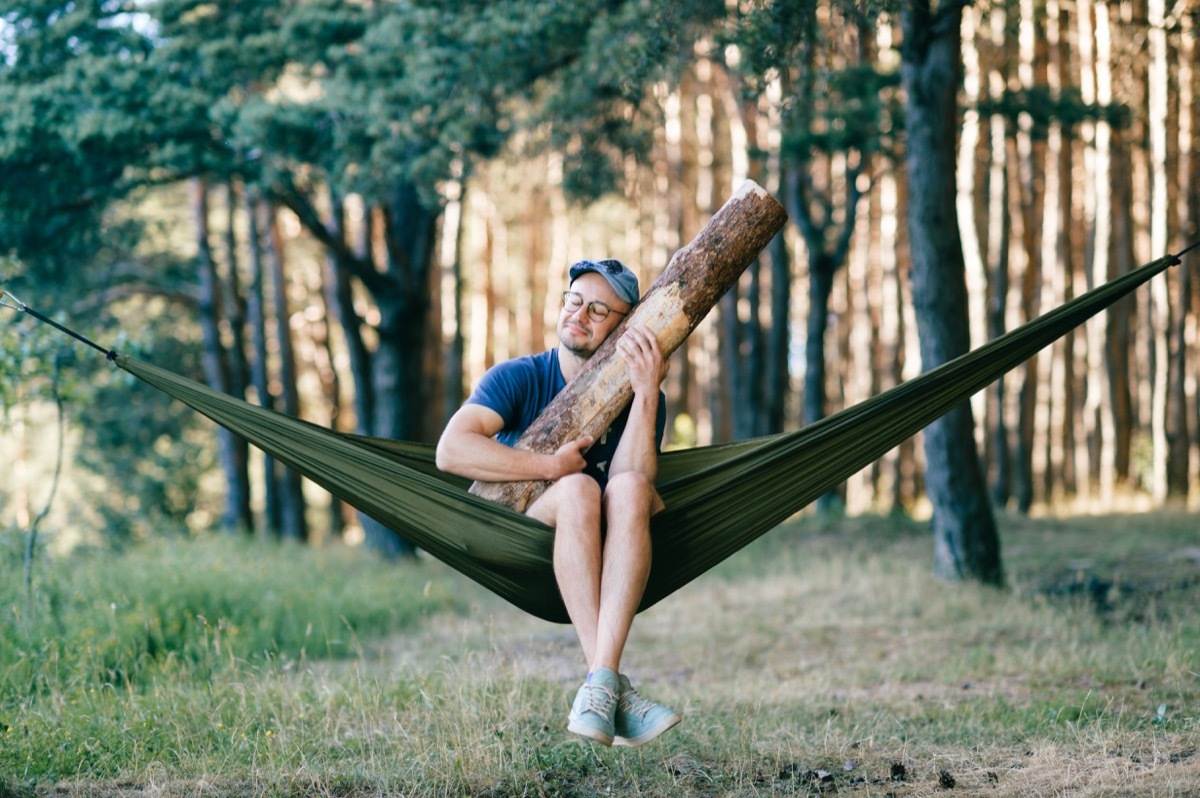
596,311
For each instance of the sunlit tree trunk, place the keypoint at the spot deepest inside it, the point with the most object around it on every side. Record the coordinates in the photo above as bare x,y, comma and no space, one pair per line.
1120,333
1067,242
1189,171
214,359
1095,52
668,201
454,298
293,523
1168,424
997,264
234,304
256,314
1030,173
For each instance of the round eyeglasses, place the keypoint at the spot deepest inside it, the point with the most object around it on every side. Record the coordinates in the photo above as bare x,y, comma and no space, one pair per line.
596,311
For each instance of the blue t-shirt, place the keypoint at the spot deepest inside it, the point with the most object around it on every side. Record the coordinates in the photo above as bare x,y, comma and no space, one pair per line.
519,390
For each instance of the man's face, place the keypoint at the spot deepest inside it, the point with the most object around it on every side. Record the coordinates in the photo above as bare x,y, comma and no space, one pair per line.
577,331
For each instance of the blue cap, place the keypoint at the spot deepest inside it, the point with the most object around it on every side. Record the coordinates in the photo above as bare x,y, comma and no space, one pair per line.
623,281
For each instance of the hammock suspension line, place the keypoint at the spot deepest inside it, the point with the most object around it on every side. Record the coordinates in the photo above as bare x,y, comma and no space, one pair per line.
21,307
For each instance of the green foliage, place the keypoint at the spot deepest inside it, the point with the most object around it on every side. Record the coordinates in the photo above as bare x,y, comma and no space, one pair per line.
599,106
35,362
858,110
151,453
1044,107
187,609
832,103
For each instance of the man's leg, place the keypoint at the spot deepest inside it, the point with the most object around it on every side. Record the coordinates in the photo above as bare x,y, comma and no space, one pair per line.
629,501
572,506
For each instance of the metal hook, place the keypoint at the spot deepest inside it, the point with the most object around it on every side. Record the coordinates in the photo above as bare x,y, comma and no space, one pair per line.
21,306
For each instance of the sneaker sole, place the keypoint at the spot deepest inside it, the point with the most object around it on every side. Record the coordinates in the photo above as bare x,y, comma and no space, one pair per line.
589,732
645,737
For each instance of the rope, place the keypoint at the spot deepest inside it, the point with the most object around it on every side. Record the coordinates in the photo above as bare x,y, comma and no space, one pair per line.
21,307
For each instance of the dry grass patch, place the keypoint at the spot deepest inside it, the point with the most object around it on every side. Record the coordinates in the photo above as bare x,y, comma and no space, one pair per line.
823,660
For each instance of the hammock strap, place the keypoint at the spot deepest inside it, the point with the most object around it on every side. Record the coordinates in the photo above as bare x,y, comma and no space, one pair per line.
110,354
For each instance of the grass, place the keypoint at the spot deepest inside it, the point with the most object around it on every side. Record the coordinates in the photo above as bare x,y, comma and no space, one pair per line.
821,659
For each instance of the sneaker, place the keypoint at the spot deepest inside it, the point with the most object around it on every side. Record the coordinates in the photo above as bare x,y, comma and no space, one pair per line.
595,706
639,720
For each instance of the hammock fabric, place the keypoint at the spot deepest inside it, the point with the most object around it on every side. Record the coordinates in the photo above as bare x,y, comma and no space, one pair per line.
719,498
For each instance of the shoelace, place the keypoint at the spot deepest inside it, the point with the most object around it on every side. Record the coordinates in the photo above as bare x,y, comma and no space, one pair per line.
600,700
634,703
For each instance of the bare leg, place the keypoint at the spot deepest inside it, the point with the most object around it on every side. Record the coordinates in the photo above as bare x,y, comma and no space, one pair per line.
572,506
629,501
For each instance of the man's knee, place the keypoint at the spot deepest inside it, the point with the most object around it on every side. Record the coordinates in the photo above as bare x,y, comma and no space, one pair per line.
628,483
578,489
631,489
574,494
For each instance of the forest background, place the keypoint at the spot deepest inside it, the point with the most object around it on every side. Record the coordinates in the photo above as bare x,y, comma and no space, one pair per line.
348,211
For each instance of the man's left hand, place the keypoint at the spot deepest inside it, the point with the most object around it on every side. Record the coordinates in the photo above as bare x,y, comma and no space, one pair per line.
647,366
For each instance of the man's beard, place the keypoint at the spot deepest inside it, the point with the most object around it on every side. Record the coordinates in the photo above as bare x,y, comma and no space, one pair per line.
581,352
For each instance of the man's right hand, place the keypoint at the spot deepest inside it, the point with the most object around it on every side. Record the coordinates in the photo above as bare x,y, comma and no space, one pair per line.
468,448
569,457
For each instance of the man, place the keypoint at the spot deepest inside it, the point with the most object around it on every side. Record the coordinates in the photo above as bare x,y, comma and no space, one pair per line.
602,493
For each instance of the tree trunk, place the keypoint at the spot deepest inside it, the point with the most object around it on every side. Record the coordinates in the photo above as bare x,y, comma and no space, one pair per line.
397,372
216,367
293,524
456,346
325,294
695,279
965,537
259,376
235,306
777,378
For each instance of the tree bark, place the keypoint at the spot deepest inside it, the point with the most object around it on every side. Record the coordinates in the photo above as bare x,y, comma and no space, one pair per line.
293,525
777,377
398,376
966,542
235,307
259,376
695,279
216,367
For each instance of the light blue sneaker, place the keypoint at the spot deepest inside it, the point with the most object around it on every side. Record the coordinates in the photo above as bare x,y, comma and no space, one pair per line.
639,720
595,707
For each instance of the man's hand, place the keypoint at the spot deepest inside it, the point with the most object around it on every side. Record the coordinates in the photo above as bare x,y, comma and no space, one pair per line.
569,457
647,367
468,448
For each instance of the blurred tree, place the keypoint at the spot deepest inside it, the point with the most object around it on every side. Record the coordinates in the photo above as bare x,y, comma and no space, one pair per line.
966,542
839,111
411,95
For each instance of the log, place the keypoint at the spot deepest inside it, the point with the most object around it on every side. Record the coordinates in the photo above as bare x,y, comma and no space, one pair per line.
693,282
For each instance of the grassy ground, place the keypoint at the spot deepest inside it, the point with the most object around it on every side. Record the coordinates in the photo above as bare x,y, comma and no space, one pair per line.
821,660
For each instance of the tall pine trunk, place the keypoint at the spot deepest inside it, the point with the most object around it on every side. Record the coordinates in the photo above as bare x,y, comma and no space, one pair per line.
235,307
215,362
293,523
256,316
965,537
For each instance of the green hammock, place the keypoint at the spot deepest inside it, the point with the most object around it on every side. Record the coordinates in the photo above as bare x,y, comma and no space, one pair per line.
718,498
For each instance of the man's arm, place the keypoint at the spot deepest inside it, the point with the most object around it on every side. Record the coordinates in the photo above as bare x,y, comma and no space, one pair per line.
468,448
638,449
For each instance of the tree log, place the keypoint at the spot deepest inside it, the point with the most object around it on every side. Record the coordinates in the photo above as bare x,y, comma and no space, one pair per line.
695,279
